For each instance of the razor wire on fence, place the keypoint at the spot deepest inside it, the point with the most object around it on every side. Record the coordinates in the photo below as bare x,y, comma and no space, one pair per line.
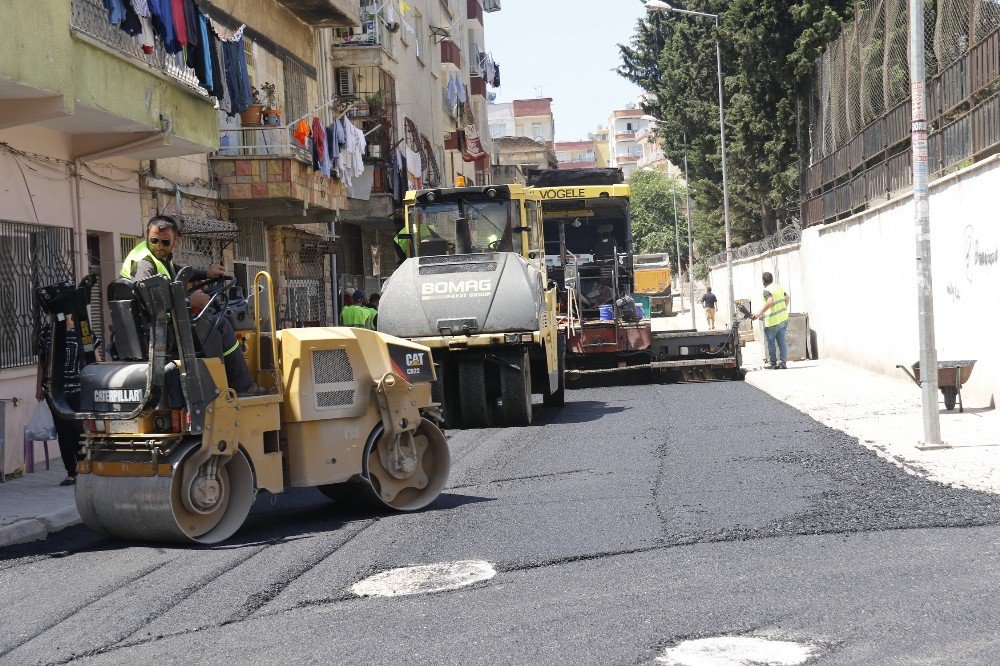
858,109
785,236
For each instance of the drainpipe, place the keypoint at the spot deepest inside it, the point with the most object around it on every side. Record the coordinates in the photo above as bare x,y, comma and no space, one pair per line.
81,240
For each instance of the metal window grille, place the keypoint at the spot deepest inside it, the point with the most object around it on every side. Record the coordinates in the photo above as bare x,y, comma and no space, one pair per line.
31,256
295,89
251,244
127,243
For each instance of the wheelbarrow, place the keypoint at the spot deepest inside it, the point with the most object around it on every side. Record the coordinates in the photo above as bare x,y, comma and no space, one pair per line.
951,376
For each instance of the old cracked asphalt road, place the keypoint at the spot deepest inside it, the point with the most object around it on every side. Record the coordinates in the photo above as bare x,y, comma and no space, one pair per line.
636,517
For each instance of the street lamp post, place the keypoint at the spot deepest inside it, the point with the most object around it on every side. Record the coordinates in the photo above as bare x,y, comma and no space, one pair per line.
687,196
677,238
657,5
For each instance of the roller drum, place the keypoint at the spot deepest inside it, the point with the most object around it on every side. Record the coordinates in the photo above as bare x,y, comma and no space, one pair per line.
151,508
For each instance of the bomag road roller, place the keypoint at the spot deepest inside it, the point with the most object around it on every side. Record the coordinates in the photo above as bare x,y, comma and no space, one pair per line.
474,289
171,453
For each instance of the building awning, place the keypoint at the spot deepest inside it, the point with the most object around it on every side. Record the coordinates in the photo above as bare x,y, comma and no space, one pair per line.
195,225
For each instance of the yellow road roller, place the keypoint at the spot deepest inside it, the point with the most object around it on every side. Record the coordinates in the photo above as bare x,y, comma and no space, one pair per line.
171,453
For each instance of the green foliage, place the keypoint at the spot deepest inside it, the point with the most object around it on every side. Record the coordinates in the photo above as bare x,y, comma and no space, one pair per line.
767,50
653,213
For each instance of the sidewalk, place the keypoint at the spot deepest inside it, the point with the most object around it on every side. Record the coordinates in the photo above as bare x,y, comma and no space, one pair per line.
884,414
36,505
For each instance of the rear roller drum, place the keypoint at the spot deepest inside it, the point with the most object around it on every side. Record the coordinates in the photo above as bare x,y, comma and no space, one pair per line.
402,474
203,501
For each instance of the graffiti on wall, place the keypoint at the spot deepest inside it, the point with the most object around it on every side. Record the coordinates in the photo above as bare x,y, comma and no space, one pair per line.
978,254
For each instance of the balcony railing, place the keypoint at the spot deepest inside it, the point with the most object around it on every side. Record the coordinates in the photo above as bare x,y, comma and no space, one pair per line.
450,53
371,33
89,21
274,141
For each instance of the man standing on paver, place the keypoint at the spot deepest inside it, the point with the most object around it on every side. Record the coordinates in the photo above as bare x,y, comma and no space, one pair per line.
777,300
708,301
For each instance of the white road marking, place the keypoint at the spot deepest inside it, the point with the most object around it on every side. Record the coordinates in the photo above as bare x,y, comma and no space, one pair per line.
424,578
736,651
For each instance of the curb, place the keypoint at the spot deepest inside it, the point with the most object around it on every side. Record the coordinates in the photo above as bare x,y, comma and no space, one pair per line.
33,529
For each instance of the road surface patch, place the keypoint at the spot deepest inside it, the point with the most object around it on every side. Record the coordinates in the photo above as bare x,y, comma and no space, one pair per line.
424,578
736,651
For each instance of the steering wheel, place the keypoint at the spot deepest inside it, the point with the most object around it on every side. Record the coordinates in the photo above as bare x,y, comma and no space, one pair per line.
221,284
495,245
215,287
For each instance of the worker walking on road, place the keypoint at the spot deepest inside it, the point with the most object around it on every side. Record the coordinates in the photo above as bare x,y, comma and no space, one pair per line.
776,304
709,301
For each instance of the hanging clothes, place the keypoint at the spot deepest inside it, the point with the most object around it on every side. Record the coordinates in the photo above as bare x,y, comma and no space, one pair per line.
489,68
141,7
339,142
462,94
116,11
301,132
326,164
319,143
222,81
146,39
192,22
132,25
237,76
199,55
180,21
496,76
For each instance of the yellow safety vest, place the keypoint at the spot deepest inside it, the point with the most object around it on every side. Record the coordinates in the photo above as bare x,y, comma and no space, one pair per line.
778,312
139,253
404,243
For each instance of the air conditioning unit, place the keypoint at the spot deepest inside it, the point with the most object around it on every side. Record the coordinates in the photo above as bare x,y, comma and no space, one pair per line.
346,84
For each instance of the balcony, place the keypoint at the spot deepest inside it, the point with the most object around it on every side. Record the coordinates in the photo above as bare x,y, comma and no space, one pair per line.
477,86
325,13
624,136
266,170
370,33
145,106
474,10
451,56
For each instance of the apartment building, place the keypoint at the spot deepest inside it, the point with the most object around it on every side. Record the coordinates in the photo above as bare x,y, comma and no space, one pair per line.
653,156
101,129
624,150
414,80
575,154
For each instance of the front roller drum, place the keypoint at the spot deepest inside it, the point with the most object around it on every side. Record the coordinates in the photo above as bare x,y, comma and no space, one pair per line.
402,476
159,508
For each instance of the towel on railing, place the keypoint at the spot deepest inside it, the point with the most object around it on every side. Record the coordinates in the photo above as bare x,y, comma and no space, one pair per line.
301,132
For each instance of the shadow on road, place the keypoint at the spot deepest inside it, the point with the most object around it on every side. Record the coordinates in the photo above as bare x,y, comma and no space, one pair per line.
295,514
576,411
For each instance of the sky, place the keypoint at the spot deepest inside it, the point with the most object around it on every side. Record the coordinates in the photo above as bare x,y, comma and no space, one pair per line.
567,50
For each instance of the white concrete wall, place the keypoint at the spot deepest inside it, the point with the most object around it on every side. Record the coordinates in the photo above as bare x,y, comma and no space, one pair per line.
857,280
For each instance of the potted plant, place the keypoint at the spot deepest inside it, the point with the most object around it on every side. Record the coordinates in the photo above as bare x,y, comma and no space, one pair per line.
376,102
272,114
251,116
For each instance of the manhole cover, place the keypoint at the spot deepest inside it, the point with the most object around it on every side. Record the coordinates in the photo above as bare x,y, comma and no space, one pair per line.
424,578
736,651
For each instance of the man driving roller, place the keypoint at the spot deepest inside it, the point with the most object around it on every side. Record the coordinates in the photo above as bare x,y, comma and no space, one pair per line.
154,256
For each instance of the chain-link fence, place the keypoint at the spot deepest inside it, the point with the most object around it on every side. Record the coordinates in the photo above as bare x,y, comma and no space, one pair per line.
784,237
858,102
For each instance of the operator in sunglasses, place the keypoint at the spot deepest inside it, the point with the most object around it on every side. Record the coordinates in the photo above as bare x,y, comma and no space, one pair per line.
155,256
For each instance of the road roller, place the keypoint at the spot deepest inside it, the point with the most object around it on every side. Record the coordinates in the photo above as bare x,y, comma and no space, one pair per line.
170,452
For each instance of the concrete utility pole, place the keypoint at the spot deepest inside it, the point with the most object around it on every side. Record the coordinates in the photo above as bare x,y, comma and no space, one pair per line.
687,195
677,237
925,293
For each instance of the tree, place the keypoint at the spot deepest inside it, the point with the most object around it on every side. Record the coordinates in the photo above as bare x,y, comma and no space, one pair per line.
653,213
768,47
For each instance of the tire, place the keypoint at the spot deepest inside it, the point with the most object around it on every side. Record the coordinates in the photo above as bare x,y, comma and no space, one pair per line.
557,398
949,397
476,404
515,391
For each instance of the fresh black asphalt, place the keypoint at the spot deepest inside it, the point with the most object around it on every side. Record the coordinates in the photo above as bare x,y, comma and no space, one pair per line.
635,517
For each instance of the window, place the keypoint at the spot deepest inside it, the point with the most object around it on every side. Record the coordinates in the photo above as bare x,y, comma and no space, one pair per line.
466,227
418,39
296,102
536,130
499,129
31,256
628,127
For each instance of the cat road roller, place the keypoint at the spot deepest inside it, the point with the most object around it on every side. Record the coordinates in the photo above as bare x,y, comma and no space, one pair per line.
171,453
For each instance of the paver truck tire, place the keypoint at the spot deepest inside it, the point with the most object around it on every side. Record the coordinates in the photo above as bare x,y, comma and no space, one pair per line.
557,398
515,391
477,403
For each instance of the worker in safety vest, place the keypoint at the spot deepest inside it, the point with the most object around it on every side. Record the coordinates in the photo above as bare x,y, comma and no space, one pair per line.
357,314
775,316
402,239
155,256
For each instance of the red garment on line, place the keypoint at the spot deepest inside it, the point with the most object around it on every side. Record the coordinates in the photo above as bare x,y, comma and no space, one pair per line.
180,23
319,139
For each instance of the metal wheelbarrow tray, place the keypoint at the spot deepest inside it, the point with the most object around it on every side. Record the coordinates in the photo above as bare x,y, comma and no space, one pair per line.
951,376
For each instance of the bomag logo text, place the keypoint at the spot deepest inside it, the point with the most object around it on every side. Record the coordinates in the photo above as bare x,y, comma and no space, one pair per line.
571,193
463,289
